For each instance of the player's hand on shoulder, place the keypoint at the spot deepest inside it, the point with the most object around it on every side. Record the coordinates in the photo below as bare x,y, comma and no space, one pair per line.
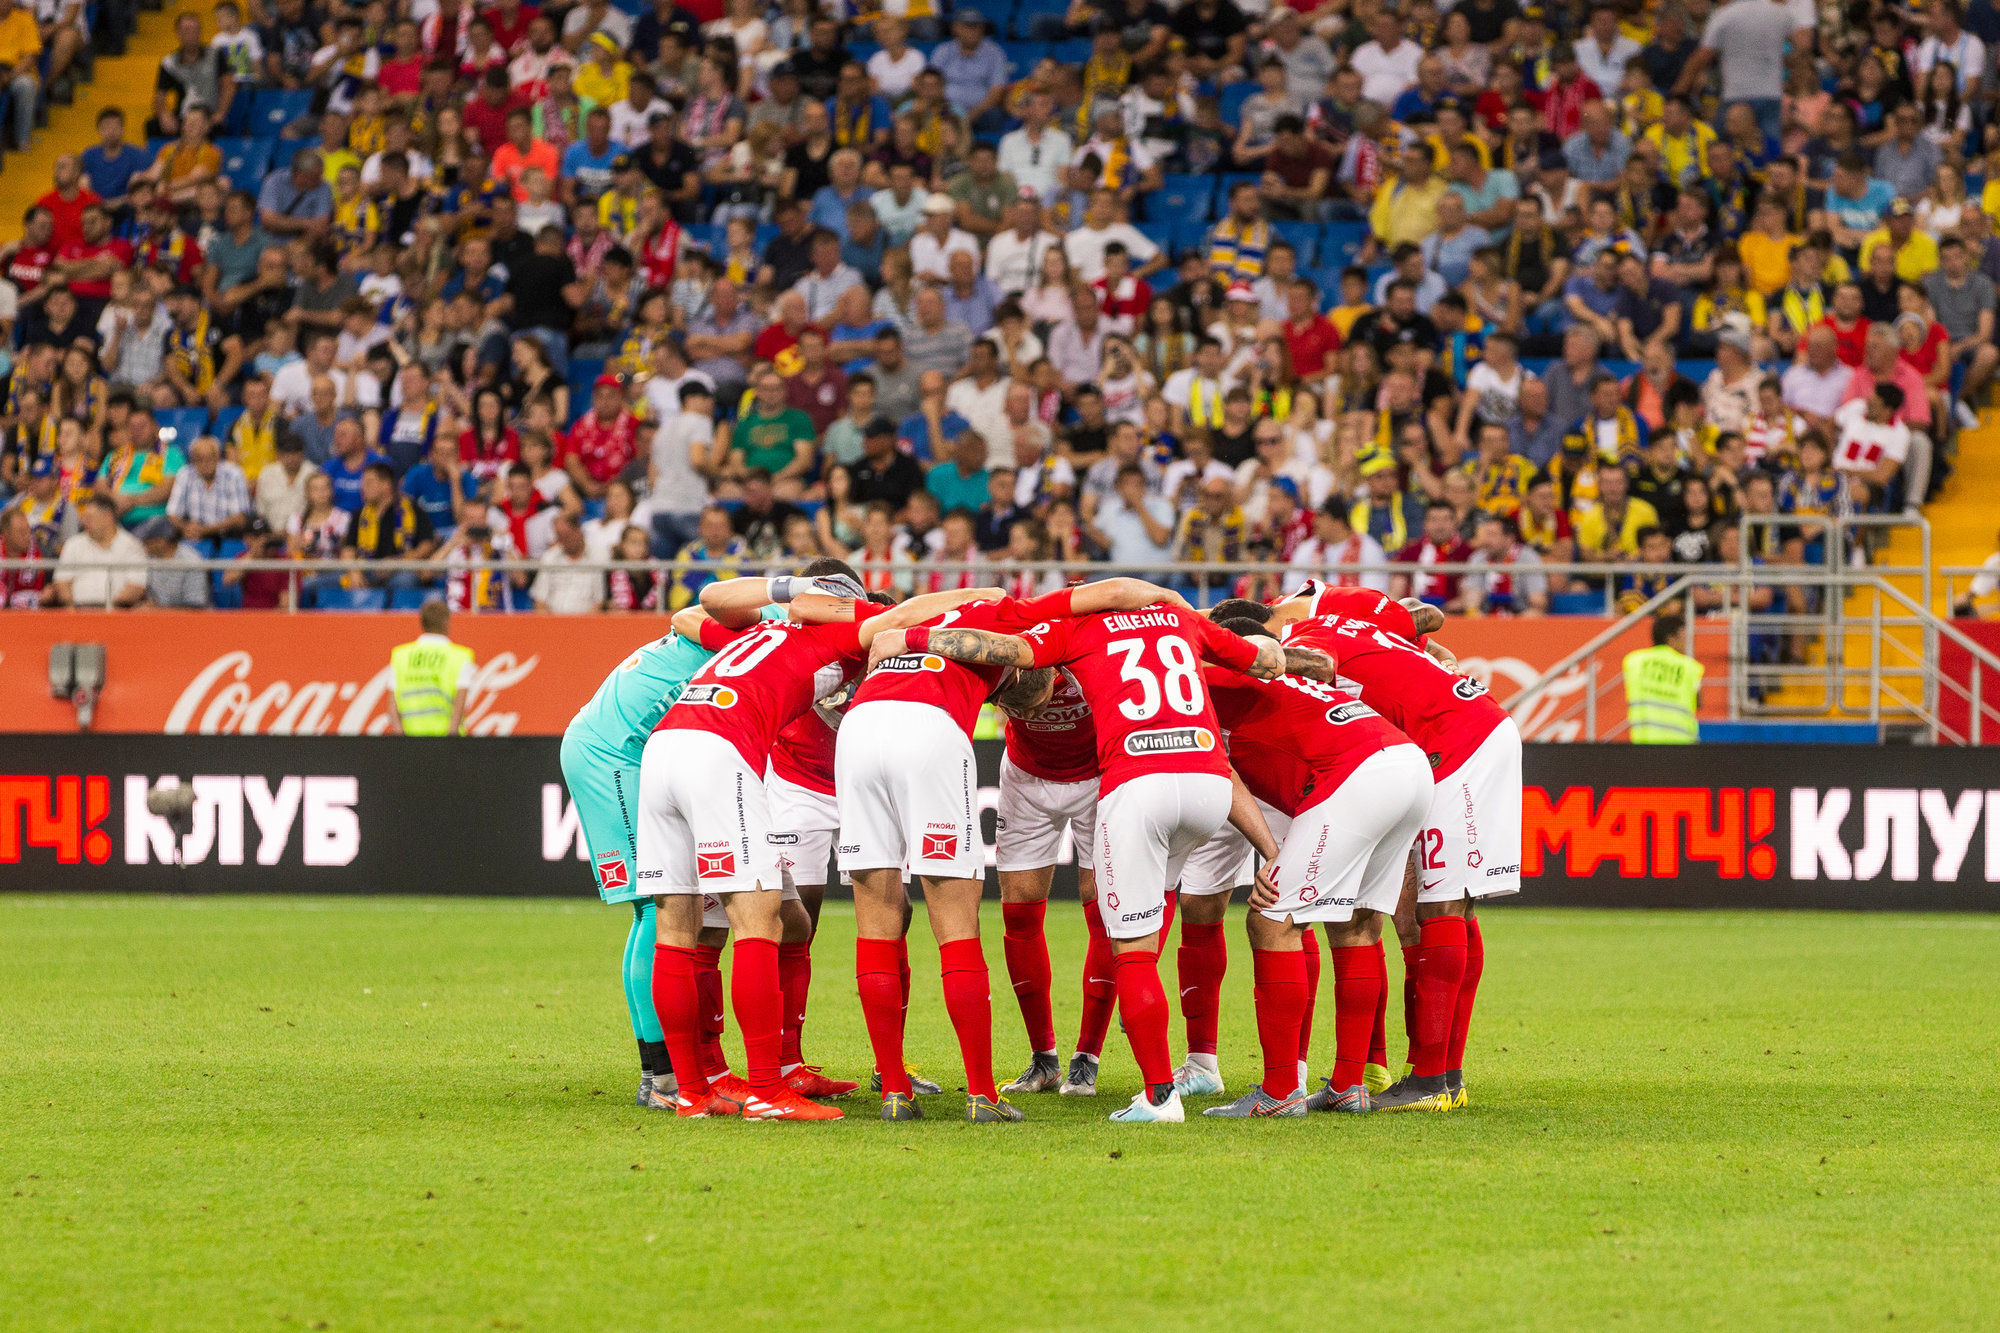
1427,618
1442,655
1311,664
889,643
1270,662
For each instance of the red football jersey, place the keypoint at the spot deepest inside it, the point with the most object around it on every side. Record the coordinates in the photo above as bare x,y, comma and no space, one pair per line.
1140,672
1295,740
803,753
1056,742
768,675
957,687
1375,645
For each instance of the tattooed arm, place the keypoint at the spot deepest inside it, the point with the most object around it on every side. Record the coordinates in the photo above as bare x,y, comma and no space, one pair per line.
974,646
1270,662
1427,618
1122,594
1310,664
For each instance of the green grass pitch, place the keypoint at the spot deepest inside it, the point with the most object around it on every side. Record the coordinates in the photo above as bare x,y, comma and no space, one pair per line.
386,1114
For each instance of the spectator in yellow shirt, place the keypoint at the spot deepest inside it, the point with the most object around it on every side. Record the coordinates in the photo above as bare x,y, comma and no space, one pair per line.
1406,208
1766,250
1916,251
20,58
1609,530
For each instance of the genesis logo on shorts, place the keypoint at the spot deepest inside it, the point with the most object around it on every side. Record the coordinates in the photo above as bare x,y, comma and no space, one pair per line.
716,696
912,662
1178,740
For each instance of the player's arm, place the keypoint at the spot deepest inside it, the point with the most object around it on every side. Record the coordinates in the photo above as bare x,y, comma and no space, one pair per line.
687,623
930,605
1427,618
735,603
1121,594
1247,818
1442,655
976,647
1309,663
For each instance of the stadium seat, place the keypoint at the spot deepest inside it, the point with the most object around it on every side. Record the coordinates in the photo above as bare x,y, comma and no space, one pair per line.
1075,52
863,51
1576,603
225,421
409,599
1180,198
271,109
1304,237
583,372
353,599
1232,98
1190,234
1022,57
1039,20
186,423
1341,242
707,235
223,596
246,161
1160,234
1328,278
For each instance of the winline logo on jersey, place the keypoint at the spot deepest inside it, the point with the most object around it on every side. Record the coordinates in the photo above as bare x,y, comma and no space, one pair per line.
1174,740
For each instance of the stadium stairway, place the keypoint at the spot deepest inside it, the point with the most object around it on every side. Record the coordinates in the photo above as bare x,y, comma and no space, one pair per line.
1963,523
125,82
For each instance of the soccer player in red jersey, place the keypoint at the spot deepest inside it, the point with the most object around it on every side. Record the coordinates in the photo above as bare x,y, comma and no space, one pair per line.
909,798
1048,787
1165,783
704,818
1470,847
1346,792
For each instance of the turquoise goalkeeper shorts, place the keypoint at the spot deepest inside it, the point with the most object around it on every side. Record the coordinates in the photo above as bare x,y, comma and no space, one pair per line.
604,783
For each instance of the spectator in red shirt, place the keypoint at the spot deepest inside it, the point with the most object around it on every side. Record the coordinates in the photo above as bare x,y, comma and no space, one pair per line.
486,114
1562,102
88,262
820,388
604,443
1298,173
1310,337
1123,298
1849,325
509,21
68,200
1440,544
27,261
263,589
781,336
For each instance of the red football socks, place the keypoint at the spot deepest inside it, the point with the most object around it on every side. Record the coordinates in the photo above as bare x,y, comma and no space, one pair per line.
1100,984
969,1002
903,974
1440,968
1167,920
1468,990
1142,1003
678,1007
878,976
795,977
1360,987
1203,959
1281,999
1378,1039
760,1011
1309,946
708,994
1410,952
1027,948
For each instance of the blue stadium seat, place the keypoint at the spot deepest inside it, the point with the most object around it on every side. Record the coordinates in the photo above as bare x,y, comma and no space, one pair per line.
1159,233
1328,278
707,234
246,161
1232,98
353,599
1039,20
1304,237
222,596
409,599
1190,234
862,51
1576,604
225,421
582,373
1181,197
1074,52
186,423
1023,56
1340,242
271,109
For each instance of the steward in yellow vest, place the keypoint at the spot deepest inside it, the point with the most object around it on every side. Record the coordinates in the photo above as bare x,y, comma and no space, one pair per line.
432,675
1663,688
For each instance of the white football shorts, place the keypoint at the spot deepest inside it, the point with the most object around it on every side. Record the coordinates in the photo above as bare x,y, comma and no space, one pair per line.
1033,815
1349,850
1146,830
704,819
908,792
803,822
1470,845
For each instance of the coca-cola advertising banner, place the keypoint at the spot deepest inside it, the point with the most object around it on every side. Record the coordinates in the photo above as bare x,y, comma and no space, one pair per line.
1603,825
250,673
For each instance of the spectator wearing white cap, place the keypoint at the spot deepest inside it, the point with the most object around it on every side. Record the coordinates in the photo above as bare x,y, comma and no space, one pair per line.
932,246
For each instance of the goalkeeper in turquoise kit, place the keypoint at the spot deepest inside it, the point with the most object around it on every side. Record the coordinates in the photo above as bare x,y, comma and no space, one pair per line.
601,750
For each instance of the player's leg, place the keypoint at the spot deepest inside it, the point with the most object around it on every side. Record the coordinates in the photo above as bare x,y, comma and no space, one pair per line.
754,993
665,868
1211,876
1027,836
1360,988
1496,782
1277,961
1461,1022
604,785
1147,829
805,822
953,906
1407,937
714,937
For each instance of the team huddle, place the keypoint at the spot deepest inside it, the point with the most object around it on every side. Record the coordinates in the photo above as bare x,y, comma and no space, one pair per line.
1321,750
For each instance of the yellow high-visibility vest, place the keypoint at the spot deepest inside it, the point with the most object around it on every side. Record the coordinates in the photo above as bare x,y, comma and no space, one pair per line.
427,671
1662,692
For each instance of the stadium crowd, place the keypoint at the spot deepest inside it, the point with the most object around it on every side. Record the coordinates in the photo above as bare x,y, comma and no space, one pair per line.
1111,284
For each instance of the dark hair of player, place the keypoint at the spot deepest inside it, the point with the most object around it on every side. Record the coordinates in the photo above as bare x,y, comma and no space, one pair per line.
1241,626
821,566
1241,608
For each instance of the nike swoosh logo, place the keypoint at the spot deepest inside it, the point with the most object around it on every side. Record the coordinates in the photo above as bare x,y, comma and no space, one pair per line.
716,1019
1097,978
1186,989
1432,883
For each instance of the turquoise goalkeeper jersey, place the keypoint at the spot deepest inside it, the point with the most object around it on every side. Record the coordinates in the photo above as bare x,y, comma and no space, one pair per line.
638,693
